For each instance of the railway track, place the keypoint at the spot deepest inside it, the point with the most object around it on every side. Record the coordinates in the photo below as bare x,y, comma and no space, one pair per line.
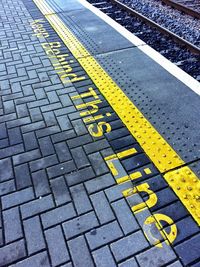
176,49
190,7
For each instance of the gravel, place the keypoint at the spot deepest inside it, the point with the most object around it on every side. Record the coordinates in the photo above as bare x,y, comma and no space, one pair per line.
183,25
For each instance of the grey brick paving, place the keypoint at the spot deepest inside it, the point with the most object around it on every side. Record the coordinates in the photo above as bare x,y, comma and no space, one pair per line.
59,253
156,257
125,216
60,205
80,199
129,263
102,207
81,256
58,215
124,248
103,257
80,225
33,234
40,259
12,252
104,235
13,231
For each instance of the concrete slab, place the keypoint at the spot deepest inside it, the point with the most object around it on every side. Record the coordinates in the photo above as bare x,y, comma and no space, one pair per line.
167,103
94,33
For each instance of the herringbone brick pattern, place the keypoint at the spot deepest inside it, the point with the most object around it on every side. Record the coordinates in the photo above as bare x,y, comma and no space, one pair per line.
60,205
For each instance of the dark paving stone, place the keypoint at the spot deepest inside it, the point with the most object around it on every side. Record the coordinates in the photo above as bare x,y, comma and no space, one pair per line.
189,255
12,252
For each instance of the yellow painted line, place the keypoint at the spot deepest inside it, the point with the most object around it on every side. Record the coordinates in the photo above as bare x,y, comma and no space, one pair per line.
155,146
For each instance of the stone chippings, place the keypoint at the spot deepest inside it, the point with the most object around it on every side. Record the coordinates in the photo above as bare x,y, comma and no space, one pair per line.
56,207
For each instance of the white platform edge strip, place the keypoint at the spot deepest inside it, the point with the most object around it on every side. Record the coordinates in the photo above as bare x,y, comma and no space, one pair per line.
181,75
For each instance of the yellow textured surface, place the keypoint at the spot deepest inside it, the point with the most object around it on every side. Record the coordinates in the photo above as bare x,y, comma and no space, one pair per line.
159,151
187,187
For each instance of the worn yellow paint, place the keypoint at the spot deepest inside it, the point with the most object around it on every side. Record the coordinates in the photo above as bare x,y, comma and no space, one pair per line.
187,187
123,179
149,203
112,168
126,153
170,234
155,146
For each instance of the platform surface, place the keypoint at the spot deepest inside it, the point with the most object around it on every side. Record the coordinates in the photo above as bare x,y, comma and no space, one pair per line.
99,144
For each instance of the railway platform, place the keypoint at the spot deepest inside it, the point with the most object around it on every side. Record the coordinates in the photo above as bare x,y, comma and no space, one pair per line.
99,143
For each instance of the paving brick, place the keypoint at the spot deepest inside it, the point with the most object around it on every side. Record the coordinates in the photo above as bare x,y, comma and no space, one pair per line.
43,163
35,114
7,187
62,151
129,246
99,183
47,131
117,133
34,235
178,264
60,191
79,127
3,132
125,216
10,151
67,265
115,192
188,251
64,123
18,122
15,136
26,157
102,207
13,231
58,215
65,111
65,135
98,163
33,261
4,143
65,99
103,257
40,182
156,257
33,126
79,141
6,171
37,206
80,157
49,118
61,169
30,141
175,211
129,263
186,228
80,257
52,96
22,176
12,252
46,146
38,103
22,111
104,235
58,253
80,199
96,146
79,176
17,198
80,225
